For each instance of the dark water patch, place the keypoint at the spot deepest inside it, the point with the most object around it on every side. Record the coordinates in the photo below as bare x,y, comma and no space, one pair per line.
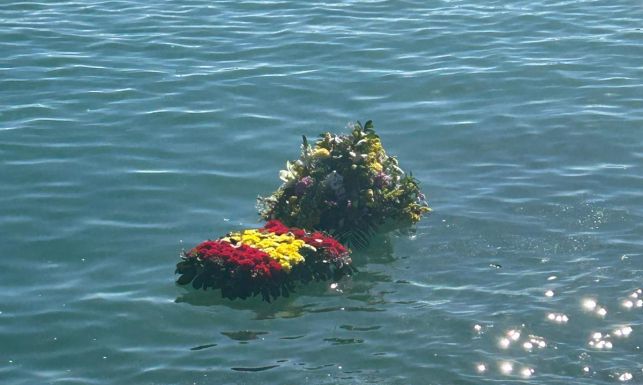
369,298
292,337
344,341
405,302
244,335
254,369
359,328
201,347
318,367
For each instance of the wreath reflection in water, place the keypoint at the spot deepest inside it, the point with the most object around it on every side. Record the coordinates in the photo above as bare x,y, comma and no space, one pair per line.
267,261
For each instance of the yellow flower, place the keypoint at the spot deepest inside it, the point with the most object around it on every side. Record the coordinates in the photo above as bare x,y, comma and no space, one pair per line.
376,146
321,153
282,248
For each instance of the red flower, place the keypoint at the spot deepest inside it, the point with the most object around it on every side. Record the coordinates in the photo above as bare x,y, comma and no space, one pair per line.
232,257
330,245
275,226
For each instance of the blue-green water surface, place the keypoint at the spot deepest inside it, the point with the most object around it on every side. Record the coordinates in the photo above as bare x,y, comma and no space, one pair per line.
130,130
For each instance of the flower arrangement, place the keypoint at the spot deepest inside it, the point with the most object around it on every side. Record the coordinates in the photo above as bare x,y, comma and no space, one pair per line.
267,261
346,185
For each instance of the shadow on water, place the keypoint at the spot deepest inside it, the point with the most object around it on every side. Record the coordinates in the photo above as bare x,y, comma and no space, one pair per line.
309,299
317,295
379,250
282,307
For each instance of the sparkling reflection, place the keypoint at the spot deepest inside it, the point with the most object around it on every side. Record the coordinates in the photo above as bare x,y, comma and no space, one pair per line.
506,367
589,304
623,332
514,335
537,341
526,372
600,341
558,318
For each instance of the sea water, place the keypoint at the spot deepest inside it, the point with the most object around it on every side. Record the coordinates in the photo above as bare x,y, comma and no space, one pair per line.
132,130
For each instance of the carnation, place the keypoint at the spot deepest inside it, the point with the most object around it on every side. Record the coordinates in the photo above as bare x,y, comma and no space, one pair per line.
268,261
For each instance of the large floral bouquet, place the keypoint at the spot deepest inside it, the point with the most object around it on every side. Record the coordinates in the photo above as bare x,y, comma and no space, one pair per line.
346,185
267,261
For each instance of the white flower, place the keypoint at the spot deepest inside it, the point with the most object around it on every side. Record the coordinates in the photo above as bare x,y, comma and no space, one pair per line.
288,175
334,180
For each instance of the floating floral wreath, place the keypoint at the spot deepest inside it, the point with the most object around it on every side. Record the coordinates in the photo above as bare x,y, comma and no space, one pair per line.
267,261
346,185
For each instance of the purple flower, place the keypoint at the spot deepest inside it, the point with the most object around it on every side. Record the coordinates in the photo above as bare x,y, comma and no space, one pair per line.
302,185
382,179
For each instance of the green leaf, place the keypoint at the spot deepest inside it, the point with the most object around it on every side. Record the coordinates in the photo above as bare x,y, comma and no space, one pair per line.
265,294
357,237
198,281
184,267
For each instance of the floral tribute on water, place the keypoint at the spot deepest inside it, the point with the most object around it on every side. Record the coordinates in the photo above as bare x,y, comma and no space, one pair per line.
346,185
267,261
